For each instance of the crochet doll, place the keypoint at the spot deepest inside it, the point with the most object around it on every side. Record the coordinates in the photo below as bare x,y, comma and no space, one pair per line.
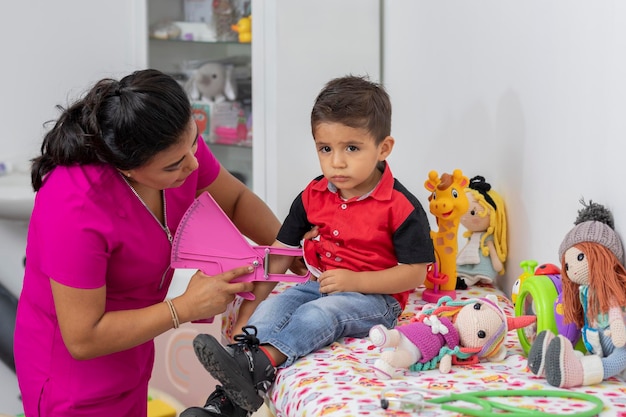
483,256
468,330
594,297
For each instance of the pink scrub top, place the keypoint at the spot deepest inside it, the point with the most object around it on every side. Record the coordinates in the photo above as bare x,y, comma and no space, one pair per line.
89,230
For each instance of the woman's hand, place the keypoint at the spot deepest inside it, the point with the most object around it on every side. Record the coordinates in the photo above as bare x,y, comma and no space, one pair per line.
207,296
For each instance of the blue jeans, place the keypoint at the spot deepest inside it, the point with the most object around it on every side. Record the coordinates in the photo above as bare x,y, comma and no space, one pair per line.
301,320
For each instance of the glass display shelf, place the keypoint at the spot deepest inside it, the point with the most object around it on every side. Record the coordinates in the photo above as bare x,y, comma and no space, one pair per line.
200,41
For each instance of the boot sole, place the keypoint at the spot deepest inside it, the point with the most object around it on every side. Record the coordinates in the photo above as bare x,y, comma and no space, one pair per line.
223,367
199,412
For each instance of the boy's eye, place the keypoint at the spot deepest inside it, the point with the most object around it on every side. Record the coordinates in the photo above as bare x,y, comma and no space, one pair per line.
352,148
325,149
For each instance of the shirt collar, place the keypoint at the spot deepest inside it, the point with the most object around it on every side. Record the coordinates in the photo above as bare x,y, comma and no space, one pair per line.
382,191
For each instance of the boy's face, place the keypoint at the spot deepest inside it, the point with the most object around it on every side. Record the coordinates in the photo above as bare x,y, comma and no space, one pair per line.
349,156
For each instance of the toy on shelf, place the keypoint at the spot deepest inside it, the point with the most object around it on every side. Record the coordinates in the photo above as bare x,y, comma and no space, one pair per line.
447,202
484,254
594,298
212,82
538,291
244,29
223,18
453,332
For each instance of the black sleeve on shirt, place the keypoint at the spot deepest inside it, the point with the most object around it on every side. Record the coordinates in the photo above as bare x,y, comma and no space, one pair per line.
296,224
412,240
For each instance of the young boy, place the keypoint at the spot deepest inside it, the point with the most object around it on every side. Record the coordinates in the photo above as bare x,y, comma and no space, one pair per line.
371,246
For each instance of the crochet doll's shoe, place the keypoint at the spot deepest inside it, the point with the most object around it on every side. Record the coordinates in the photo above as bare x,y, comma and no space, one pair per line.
242,368
568,368
378,335
217,405
383,370
537,353
383,337
563,368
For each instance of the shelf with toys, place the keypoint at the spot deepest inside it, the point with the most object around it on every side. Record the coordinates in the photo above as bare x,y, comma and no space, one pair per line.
206,46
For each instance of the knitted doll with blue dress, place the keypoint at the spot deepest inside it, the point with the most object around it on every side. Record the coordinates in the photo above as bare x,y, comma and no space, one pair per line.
594,297
484,254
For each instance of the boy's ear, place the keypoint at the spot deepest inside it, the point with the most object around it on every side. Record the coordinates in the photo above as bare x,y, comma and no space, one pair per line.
385,148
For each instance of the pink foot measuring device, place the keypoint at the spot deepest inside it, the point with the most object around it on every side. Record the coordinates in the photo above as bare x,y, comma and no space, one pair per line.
208,240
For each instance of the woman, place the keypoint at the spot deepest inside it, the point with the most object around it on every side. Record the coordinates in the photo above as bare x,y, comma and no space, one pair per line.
116,174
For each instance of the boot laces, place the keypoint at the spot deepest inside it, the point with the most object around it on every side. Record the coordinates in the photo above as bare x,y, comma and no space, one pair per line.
247,338
216,400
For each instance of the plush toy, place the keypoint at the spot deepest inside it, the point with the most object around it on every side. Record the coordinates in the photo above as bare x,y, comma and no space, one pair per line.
447,202
594,297
212,83
468,330
483,256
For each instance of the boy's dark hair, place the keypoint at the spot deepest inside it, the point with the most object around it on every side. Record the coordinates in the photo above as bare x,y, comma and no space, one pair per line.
354,101
121,123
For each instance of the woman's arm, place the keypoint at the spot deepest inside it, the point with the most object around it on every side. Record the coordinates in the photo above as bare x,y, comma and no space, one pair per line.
248,212
89,331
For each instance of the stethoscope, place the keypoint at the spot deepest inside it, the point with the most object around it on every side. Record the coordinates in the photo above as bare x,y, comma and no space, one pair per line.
412,400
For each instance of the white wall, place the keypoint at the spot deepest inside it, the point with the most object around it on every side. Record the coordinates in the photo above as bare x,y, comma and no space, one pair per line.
51,52
298,47
530,94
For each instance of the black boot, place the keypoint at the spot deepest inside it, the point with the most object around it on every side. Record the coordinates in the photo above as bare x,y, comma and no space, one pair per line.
217,405
242,368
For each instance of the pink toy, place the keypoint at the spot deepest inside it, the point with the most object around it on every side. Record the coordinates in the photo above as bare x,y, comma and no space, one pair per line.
452,332
208,240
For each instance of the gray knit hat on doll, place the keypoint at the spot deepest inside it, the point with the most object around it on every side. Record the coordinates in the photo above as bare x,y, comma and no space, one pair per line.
594,224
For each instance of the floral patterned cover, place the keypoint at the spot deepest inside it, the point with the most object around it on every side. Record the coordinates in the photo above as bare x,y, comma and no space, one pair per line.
338,381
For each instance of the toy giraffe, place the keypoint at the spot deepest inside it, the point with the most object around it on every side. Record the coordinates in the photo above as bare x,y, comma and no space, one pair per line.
447,202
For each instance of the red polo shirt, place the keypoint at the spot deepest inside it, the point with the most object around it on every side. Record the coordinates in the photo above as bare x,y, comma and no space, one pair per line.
376,231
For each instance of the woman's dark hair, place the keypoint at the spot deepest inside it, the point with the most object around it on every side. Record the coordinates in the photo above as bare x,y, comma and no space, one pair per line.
355,102
120,123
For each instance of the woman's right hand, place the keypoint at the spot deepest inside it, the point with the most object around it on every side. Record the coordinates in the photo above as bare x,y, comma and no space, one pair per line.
207,296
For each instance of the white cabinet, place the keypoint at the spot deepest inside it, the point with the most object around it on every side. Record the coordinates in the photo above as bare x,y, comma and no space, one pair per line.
185,35
297,46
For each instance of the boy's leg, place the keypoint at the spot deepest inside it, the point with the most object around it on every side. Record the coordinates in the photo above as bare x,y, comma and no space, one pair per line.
242,367
295,327
320,322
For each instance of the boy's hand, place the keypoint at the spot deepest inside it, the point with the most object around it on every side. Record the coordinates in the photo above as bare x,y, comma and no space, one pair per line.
338,280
